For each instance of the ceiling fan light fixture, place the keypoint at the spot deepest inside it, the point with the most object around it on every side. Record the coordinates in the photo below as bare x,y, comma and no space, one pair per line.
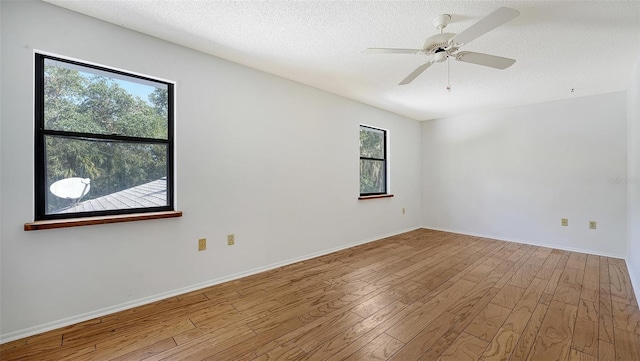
440,56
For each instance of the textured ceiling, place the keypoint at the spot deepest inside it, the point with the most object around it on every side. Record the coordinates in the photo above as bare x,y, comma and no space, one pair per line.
588,46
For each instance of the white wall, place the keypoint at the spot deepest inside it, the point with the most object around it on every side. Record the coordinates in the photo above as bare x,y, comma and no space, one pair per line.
514,173
633,178
272,161
0,168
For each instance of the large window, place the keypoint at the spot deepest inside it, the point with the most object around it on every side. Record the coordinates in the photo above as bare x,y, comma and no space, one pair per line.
103,141
373,161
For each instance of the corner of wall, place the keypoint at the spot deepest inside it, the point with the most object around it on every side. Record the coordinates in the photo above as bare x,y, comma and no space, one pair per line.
633,179
635,279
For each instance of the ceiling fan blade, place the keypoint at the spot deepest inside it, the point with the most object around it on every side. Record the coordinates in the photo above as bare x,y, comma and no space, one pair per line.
493,61
485,25
416,73
391,51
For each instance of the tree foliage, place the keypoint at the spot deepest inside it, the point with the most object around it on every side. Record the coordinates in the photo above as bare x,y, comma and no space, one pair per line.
94,104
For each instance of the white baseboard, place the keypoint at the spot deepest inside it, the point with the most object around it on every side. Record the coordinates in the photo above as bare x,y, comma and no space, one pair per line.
539,244
11,336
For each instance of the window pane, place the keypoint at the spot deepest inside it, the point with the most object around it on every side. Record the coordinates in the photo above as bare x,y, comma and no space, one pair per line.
371,143
83,99
119,175
372,176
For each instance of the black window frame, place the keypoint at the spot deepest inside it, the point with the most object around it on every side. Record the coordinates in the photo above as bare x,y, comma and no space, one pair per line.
386,168
40,178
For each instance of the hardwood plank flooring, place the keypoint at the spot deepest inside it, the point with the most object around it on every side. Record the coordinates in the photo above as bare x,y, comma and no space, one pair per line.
420,295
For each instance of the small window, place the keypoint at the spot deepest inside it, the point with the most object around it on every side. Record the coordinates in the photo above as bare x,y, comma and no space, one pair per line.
373,161
103,141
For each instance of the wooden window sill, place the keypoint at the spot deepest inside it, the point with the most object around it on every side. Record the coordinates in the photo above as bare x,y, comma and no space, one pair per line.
376,196
77,222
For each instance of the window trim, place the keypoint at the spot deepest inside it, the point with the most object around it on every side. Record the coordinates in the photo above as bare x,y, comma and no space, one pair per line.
376,196
40,133
88,221
385,193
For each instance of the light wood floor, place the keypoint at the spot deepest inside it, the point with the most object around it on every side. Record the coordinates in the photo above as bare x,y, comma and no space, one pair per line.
422,295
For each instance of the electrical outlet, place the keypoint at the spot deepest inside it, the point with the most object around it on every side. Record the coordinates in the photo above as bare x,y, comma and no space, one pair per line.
231,240
592,224
202,244
564,222
402,210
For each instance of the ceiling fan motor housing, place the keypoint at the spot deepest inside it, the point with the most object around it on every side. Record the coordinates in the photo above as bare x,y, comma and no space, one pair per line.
437,43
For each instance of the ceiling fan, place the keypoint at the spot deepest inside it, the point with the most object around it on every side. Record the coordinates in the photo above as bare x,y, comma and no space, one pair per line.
446,45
